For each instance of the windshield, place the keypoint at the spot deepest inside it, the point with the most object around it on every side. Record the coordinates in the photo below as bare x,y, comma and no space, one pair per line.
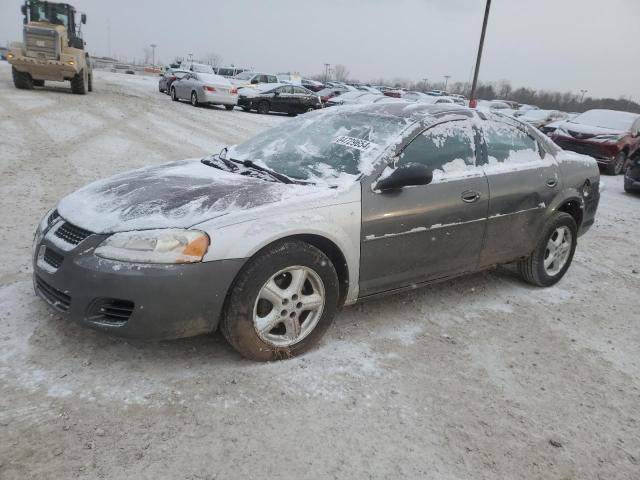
607,119
49,12
244,76
323,146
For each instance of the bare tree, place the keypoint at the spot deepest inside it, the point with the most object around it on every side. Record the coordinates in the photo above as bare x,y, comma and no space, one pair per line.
213,59
341,73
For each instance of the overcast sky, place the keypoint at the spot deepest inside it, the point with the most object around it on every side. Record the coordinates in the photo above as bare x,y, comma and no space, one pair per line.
550,44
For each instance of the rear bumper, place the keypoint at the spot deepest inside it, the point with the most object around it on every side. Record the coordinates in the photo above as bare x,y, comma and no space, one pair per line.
150,302
219,98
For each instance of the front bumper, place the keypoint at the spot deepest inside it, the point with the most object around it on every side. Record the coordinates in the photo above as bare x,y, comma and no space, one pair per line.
54,70
632,179
603,152
152,302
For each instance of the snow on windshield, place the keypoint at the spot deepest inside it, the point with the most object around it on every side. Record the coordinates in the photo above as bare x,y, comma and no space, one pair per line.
607,119
202,68
328,146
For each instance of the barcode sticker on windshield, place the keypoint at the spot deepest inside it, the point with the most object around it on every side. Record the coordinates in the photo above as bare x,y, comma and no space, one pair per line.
357,143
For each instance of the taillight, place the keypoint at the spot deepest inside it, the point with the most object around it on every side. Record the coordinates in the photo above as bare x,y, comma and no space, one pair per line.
209,88
172,78
234,91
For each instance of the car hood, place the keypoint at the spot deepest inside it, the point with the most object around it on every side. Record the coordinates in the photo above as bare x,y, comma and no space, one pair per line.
175,195
588,130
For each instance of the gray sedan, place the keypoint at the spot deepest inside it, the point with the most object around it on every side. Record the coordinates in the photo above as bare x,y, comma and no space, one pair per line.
270,238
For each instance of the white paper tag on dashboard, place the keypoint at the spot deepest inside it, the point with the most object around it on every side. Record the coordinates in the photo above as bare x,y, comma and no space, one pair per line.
357,143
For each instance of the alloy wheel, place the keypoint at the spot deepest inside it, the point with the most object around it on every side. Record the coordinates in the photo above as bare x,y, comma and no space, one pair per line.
289,306
557,250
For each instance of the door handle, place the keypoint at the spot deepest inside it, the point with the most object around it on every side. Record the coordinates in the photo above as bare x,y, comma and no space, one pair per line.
551,182
470,196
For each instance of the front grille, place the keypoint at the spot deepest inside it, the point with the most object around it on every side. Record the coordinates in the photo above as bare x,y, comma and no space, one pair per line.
579,147
41,43
110,310
56,298
72,234
52,258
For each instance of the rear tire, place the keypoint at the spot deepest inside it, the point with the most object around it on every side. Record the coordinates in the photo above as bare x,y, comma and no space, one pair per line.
38,83
21,80
194,99
617,166
229,107
265,323
557,244
90,82
79,83
263,107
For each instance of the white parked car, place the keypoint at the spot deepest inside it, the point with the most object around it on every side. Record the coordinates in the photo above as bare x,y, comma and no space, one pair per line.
197,67
248,79
540,118
348,98
205,88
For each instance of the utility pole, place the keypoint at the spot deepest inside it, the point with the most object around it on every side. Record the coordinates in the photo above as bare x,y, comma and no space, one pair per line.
446,81
582,97
190,56
473,101
153,55
424,81
326,72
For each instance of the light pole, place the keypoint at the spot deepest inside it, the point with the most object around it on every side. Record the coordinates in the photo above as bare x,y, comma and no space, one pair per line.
190,56
473,102
153,55
446,81
582,91
326,72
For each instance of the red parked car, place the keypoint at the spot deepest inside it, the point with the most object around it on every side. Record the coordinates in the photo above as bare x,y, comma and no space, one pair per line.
609,136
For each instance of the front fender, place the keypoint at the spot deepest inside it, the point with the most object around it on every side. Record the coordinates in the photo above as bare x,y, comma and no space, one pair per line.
338,223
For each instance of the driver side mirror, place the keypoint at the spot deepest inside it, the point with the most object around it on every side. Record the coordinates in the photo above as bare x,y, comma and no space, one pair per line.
410,174
83,18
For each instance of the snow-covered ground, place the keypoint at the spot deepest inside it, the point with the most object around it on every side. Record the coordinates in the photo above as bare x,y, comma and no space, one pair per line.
479,378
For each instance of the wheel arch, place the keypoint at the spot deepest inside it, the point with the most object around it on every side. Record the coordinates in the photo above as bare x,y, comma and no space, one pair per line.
574,207
326,246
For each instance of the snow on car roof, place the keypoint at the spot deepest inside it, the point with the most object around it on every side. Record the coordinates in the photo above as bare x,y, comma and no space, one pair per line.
612,119
213,78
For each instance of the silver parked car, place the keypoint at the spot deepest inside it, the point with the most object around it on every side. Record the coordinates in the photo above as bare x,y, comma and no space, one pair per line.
205,88
269,238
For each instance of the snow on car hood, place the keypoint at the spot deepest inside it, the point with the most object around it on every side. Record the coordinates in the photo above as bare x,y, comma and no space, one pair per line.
174,195
588,129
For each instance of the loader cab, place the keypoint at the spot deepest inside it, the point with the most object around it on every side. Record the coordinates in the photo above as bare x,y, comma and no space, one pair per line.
61,14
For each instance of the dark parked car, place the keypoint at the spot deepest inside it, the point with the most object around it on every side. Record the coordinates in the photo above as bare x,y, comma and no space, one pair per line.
632,174
269,238
278,97
168,77
609,136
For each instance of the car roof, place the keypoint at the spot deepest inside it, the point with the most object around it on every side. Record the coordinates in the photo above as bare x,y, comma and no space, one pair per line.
411,110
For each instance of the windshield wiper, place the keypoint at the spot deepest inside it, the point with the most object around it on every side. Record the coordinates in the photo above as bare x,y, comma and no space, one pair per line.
219,163
250,164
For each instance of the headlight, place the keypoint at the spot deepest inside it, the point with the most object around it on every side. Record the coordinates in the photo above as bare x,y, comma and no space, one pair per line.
155,246
608,137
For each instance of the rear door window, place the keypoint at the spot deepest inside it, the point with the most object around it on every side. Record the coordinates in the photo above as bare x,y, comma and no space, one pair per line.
507,144
448,149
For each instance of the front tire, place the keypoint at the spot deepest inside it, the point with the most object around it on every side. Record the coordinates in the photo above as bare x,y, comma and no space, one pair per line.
79,83
90,82
21,80
38,83
174,97
229,107
617,166
282,302
552,257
